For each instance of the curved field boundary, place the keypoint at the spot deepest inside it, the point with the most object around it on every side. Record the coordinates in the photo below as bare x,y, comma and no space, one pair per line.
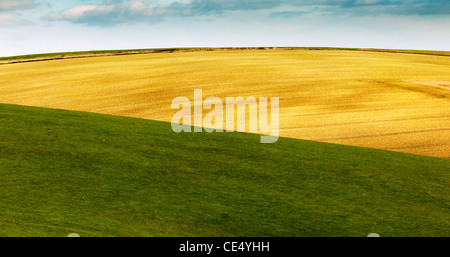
93,53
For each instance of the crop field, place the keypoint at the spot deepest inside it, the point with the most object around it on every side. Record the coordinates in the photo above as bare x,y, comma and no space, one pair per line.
109,164
384,100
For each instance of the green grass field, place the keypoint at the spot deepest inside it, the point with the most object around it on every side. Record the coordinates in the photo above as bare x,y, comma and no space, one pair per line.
99,175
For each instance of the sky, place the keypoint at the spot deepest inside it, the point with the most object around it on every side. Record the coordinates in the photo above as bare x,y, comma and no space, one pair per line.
45,26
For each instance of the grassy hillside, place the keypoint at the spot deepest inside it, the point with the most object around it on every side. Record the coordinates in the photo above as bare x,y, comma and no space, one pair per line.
100,175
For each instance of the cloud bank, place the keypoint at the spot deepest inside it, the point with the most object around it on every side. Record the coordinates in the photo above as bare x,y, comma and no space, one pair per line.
114,12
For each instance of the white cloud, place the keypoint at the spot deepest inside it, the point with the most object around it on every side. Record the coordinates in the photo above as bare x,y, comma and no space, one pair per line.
16,4
75,12
7,19
110,13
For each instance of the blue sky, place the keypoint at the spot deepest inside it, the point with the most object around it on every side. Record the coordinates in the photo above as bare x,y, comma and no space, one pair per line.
41,26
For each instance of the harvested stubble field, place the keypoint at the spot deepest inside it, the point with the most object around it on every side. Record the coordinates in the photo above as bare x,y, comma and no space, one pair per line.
373,99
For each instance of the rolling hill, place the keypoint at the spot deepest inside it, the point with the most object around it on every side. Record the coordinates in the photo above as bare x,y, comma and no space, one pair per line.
86,145
386,99
101,175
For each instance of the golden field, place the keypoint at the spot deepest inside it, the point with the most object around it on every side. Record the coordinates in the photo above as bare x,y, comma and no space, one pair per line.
385,100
